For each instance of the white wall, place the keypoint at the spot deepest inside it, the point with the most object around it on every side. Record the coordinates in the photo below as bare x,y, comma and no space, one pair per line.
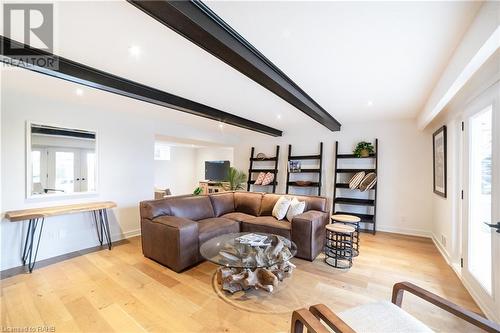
178,174
484,25
186,167
446,212
211,154
405,166
126,132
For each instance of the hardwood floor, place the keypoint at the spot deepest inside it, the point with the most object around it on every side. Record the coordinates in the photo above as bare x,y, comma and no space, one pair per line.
121,291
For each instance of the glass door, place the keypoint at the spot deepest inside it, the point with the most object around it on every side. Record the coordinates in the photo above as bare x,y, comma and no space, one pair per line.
63,170
87,177
481,218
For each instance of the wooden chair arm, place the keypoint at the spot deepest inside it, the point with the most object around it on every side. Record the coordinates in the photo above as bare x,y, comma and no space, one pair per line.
301,318
469,316
322,312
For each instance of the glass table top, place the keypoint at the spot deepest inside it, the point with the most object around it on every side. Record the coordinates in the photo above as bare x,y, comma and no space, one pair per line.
248,250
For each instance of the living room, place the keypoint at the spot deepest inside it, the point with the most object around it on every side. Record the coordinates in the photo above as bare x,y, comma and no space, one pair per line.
133,126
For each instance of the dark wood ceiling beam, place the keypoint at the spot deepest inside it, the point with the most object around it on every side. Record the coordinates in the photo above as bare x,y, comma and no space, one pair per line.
196,22
82,74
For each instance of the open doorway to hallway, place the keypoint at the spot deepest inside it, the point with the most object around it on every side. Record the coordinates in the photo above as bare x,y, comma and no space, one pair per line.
180,165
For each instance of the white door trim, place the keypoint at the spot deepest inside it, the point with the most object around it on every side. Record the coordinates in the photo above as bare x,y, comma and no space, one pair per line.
490,305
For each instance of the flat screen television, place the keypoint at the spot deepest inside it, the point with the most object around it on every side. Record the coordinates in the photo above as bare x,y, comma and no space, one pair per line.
216,170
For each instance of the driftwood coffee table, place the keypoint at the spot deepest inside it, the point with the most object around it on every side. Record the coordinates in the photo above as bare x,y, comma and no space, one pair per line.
245,266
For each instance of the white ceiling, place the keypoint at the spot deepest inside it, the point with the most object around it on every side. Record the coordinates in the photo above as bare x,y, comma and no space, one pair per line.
343,54
348,55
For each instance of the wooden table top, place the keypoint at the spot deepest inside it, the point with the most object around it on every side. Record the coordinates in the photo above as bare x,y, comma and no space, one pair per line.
34,213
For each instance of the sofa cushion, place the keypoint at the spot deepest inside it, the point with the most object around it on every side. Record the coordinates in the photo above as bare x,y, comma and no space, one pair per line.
153,208
247,202
237,216
268,202
193,207
213,227
222,203
314,202
267,224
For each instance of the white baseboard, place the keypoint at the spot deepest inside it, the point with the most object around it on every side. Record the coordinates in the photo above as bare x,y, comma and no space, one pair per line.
404,231
127,234
443,251
489,314
457,269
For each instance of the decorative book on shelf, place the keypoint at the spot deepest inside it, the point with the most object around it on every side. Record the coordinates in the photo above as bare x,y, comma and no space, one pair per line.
364,207
294,167
254,171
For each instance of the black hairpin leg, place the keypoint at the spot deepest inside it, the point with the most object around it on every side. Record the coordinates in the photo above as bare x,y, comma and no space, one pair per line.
98,225
102,226
28,254
108,233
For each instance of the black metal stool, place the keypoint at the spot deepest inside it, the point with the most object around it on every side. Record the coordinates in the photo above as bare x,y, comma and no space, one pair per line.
352,221
339,245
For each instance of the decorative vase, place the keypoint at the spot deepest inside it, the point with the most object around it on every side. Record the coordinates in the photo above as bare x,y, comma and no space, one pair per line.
364,153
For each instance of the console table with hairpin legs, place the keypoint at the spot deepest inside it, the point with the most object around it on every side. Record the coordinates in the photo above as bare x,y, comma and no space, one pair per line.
36,218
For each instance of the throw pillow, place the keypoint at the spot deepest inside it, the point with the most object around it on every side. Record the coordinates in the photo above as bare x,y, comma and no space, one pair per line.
356,179
260,178
268,178
296,207
281,207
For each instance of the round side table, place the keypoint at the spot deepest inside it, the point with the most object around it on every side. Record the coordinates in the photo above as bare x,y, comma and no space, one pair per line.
339,245
352,221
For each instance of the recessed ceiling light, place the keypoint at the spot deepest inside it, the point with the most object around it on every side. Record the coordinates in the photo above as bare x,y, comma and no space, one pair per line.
278,116
221,125
79,92
369,103
134,50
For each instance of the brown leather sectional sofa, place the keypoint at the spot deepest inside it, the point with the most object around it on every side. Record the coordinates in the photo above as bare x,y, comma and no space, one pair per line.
174,228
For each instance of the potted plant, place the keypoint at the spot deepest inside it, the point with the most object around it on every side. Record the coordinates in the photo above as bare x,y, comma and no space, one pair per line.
235,180
364,149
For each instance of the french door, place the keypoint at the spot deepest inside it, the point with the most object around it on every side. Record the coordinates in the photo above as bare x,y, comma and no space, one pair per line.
63,170
481,208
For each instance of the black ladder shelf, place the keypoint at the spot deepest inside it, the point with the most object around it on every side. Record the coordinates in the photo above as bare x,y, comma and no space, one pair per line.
251,170
368,218
318,171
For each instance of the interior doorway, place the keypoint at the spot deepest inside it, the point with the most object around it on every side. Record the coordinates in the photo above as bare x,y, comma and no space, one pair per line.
180,164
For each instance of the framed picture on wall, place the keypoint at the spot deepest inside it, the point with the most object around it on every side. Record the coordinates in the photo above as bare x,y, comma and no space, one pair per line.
439,161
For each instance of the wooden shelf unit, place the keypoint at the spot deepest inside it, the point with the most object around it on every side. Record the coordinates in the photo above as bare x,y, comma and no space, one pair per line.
367,218
319,171
252,170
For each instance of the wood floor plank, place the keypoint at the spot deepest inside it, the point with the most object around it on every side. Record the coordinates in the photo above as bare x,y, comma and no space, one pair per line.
120,320
87,317
20,306
121,291
157,275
